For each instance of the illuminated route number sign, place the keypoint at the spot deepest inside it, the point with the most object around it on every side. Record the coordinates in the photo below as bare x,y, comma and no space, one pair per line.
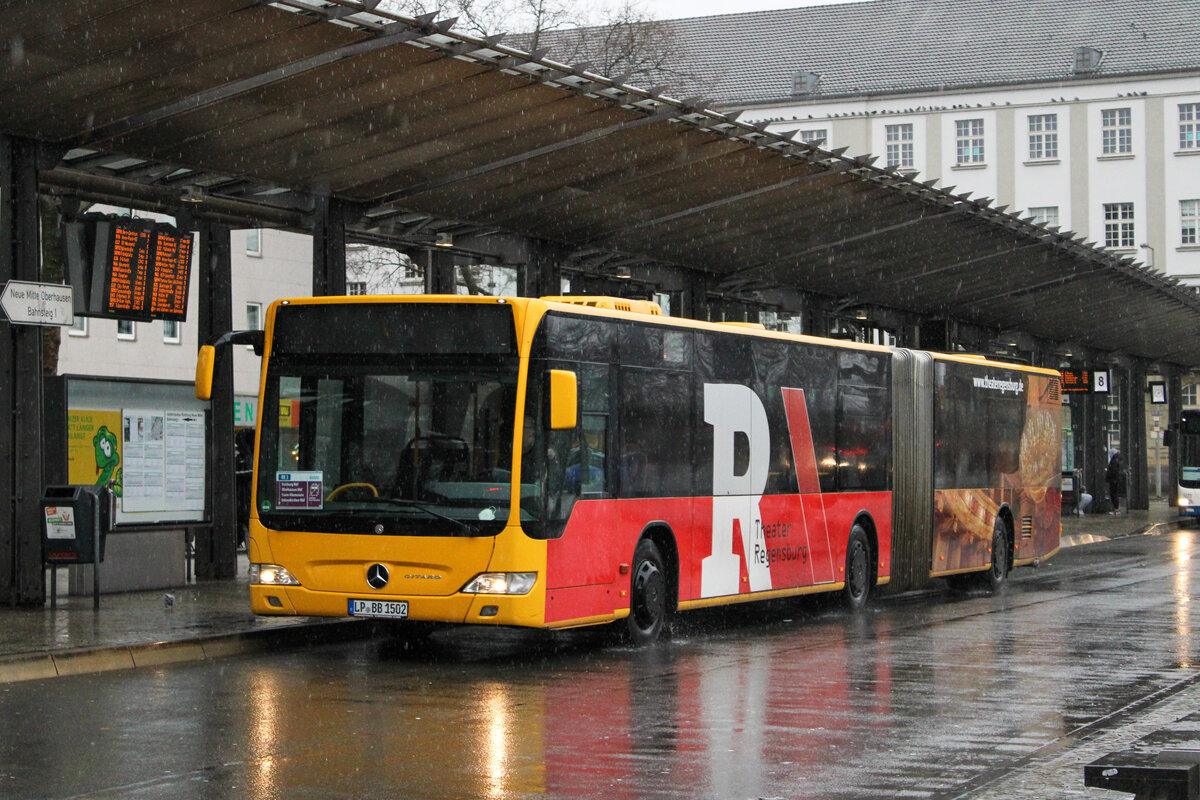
128,268
1084,380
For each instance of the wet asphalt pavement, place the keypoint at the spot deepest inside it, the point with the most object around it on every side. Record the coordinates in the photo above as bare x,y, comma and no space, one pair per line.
934,695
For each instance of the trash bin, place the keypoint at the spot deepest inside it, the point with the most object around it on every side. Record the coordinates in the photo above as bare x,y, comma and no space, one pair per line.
75,524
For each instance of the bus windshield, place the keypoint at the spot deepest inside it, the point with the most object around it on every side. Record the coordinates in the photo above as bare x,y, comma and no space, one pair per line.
420,447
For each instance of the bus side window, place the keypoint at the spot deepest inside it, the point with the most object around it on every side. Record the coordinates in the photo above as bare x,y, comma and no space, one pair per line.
587,464
863,438
656,435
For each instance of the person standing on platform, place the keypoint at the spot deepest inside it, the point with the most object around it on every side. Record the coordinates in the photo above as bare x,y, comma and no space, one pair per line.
1114,476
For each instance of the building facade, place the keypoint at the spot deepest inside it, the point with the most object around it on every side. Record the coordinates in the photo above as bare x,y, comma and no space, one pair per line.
1081,114
1116,161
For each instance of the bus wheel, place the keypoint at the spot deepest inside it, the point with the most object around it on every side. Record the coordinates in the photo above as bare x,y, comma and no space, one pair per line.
648,595
995,577
858,570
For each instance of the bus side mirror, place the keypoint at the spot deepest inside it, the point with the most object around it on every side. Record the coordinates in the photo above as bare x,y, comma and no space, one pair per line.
1168,438
204,371
207,358
564,399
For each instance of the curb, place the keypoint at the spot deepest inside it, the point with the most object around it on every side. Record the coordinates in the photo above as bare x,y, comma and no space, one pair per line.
85,661
1150,529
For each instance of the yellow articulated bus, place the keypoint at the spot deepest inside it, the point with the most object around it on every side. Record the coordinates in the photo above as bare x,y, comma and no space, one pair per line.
562,462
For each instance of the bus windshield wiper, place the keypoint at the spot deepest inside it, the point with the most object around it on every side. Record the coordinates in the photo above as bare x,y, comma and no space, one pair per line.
400,501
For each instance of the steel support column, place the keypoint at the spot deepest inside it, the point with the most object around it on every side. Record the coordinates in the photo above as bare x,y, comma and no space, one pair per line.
329,247
694,299
1096,444
22,581
439,271
1136,454
1174,412
216,545
541,276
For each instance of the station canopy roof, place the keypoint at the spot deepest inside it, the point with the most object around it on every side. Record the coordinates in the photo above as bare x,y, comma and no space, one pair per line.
255,108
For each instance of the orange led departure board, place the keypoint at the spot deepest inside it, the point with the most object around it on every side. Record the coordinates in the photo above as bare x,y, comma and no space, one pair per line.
172,269
128,268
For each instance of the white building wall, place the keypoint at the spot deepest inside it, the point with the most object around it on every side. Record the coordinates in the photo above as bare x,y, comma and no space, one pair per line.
1042,182
282,267
1182,182
1116,178
1156,177
978,178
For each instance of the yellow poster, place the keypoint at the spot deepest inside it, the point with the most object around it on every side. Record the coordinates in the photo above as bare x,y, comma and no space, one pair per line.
94,448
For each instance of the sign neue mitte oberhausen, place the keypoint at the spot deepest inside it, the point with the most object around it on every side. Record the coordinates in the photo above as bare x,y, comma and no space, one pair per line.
27,303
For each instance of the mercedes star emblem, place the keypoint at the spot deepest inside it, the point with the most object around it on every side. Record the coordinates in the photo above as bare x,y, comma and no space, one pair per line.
377,576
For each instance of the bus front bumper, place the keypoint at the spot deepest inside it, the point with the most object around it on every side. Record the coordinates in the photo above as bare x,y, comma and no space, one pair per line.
479,609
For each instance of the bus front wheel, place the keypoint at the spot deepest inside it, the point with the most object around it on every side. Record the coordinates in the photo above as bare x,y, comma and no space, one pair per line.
857,590
648,604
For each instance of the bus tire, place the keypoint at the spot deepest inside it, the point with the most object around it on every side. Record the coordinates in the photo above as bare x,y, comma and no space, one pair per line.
997,573
648,603
857,590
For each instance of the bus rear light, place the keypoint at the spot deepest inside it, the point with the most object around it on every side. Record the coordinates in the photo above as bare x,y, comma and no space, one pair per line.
271,575
501,583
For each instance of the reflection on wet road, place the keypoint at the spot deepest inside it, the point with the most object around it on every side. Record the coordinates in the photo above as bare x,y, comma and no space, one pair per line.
933,696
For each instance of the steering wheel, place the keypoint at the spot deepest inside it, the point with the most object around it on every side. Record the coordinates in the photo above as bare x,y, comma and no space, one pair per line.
361,485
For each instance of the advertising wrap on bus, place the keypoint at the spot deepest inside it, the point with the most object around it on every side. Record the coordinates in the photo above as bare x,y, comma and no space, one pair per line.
524,462
997,447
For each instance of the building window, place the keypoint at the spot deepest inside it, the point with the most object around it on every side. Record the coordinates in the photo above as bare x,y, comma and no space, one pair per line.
1189,126
969,141
171,331
1118,225
356,287
79,327
1043,136
126,330
1189,221
1044,215
1116,131
254,321
1190,395
817,136
254,242
899,145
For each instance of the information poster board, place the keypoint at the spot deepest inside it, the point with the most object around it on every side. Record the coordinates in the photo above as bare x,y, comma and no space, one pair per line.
146,439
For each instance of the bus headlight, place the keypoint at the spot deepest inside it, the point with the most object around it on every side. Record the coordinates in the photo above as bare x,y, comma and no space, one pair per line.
1184,502
501,583
271,575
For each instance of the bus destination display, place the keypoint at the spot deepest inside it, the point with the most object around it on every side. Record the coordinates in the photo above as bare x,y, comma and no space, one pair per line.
127,268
